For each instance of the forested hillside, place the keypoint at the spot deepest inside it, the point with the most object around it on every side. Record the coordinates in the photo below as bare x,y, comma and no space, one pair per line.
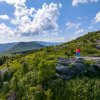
30,76
24,46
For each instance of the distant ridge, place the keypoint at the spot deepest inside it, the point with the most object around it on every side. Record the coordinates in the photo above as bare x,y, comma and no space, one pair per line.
7,46
24,46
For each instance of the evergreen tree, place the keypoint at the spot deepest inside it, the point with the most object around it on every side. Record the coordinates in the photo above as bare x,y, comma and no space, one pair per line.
1,82
24,68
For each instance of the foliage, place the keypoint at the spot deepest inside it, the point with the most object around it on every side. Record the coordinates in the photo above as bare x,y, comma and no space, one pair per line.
46,70
32,74
1,82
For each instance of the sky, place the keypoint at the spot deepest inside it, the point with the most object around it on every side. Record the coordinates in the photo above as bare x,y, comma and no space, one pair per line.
47,20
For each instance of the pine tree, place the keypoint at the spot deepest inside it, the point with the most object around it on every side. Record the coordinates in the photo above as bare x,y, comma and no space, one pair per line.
24,69
1,82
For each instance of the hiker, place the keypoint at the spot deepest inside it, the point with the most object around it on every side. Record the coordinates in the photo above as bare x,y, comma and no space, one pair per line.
78,52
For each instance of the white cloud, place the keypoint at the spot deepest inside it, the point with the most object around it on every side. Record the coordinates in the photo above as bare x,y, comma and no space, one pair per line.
97,18
90,28
4,17
32,21
77,27
5,31
82,18
79,31
21,12
71,25
55,39
21,2
76,2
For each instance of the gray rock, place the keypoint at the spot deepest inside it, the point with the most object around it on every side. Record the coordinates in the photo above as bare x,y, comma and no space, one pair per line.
60,58
64,77
64,61
79,60
97,62
97,41
98,46
12,96
3,71
79,68
92,70
96,65
64,70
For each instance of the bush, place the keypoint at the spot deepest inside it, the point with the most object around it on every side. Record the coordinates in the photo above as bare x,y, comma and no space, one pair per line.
6,76
1,82
24,68
46,70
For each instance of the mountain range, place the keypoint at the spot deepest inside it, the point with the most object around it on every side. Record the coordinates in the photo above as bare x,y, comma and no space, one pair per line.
24,46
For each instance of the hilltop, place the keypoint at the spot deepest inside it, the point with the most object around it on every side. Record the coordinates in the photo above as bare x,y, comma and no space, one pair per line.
30,76
89,45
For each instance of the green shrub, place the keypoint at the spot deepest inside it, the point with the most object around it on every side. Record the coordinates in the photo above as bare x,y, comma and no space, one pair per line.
46,70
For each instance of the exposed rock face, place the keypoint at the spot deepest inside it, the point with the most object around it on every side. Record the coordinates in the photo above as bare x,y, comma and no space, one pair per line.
98,46
64,77
79,60
64,61
64,70
12,96
95,68
78,68
97,41
97,65
92,70
3,71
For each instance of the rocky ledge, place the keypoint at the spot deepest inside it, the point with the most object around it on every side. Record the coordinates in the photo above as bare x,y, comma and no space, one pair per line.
71,67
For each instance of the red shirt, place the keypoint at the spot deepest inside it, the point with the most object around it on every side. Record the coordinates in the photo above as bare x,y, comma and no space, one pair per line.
78,50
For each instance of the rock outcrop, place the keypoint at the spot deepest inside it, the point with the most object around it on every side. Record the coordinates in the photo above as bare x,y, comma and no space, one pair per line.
98,46
72,67
95,68
12,96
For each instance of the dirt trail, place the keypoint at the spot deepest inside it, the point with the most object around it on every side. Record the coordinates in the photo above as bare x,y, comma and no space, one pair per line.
91,58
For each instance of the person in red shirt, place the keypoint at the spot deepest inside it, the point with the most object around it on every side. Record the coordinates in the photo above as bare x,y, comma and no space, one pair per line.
78,52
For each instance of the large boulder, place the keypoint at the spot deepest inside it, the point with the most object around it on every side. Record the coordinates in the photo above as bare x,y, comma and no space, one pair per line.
95,68
97,41
60,58
79,60
98,46
64,61
12,96
92,69
3,71
63,70
97,65
75,67
64,77
79,68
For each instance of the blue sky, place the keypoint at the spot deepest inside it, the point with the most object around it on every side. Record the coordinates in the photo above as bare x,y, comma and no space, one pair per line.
47,20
